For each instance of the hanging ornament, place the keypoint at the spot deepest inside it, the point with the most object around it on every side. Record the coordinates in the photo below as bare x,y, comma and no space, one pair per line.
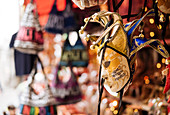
82,4
167,72
162,18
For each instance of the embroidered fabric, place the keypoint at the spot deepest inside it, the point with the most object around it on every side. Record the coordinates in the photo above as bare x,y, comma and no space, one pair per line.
30,37
31,98
77,54
29,40
60,21
29,110
29,18
68,92
43,99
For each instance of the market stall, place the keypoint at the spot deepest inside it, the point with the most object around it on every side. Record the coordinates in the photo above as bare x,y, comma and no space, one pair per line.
92,57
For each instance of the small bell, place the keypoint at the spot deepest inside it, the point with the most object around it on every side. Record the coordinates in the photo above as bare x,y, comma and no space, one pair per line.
141,26
141,35
95,17
81,31
86,20
87,39
159,26
162,18
167,61
92,47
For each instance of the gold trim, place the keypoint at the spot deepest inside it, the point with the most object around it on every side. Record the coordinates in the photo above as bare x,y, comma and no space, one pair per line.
112,38
102,15
132,23
166,54
106,32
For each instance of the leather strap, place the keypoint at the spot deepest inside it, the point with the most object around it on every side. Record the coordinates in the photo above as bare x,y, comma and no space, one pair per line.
156,13
164,33
120,99
100,95
34,71
143,11
118,5
114,4
126,16
42,69
129,10
106,32
101,80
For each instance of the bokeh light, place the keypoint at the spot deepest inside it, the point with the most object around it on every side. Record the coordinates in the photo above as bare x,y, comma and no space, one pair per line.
151,20
158,65
152,34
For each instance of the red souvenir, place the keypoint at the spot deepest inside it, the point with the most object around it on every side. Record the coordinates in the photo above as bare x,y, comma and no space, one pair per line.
167,84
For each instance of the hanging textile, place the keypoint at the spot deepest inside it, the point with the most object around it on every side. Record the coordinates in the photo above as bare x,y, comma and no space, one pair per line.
30,37
66,91
60,21
77,54
23,62
37,99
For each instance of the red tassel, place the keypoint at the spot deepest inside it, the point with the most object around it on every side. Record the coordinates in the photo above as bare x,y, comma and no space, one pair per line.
26,110
52,110
167,84
169,99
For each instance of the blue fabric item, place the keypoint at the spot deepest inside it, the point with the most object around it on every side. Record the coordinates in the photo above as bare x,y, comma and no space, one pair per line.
134,26
47,110
139,43
23,62
127,24
79,45
21,108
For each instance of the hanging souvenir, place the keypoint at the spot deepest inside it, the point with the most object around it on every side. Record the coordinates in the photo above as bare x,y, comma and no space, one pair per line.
117,50
22,59
76,54
60,21
82,4
30,37
166,72
37,99
65,87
